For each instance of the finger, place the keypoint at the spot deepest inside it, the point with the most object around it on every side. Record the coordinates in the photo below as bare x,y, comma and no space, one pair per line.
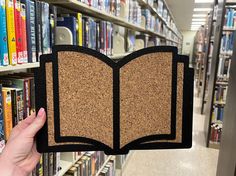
22,125
36,125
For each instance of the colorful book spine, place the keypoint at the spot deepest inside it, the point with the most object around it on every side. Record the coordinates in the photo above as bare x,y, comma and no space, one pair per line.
38,30
2,133
30,29
45,28
7,107
80,29
17,15
20,104
4,60
11,32
23,33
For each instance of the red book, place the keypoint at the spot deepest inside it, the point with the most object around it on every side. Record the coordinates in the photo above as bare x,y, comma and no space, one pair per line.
19,53
23,34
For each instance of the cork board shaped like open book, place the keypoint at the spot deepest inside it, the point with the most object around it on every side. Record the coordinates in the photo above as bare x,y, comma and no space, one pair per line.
144,101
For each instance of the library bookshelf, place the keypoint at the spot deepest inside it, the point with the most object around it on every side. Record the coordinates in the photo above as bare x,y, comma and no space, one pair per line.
167,35
217,73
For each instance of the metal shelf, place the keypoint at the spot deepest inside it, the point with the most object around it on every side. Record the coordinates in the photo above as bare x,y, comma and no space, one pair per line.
104,164
96,13
19,67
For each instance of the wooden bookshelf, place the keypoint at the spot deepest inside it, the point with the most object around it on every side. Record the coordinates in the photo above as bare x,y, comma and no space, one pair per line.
96,13
18,67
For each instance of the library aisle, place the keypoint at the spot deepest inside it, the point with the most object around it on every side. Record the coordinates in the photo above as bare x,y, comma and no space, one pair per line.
199,160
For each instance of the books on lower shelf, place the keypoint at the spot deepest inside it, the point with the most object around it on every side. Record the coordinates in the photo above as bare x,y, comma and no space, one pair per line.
216,132
92,164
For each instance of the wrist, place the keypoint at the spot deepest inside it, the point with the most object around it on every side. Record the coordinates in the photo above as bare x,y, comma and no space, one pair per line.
6,167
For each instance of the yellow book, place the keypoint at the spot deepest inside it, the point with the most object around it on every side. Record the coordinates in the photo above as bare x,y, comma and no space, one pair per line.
80,29
11,34
7,109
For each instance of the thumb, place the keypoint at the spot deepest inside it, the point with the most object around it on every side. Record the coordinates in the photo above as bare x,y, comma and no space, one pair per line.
36,125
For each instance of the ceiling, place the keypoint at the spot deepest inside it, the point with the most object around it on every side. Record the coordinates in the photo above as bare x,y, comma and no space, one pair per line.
182,11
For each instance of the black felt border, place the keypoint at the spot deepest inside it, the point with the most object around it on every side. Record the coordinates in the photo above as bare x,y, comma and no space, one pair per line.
40,82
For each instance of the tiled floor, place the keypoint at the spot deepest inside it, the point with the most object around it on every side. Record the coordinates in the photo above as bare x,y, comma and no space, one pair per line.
198,161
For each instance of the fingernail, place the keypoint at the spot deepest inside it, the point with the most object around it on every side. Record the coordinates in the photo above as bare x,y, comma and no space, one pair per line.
41,112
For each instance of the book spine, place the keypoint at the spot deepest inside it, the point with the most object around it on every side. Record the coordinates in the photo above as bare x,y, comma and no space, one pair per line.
18,31
45,164
53,22
14,108
23,34
50,164
7,112
11,32
45,28
4,60
80,29
20,105
38,30
32,96
30,28
2,133
27,94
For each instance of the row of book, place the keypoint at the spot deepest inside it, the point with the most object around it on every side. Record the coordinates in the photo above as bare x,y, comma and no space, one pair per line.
224,67
17,101
27,30
90,164
230,18
227,43
49,165
130,10
216,132
220,93
218,113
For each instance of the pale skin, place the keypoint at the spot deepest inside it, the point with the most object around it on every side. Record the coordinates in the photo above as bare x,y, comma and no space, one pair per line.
20,156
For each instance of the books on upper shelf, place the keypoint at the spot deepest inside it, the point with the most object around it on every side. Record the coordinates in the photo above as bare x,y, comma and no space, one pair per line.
224,67
230,19
227,43
27,31
220,94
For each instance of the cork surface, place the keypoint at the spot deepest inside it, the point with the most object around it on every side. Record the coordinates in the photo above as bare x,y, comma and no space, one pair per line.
50,109
86,97
179,106
146,86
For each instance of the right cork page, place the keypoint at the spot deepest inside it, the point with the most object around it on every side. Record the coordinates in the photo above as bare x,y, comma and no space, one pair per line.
156,95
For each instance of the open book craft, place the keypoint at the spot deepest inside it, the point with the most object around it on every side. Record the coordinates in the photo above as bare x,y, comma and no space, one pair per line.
142,102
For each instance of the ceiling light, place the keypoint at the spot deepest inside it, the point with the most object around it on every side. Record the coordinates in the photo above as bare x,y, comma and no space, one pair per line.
201,9
198,22
199,19
204,1
199,15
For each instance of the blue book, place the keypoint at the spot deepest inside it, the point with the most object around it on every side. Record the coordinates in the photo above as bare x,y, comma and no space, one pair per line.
30,29
70,23
2,139
45,28
228,18
4,61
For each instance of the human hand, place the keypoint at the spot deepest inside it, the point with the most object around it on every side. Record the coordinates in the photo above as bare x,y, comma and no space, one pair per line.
20,156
